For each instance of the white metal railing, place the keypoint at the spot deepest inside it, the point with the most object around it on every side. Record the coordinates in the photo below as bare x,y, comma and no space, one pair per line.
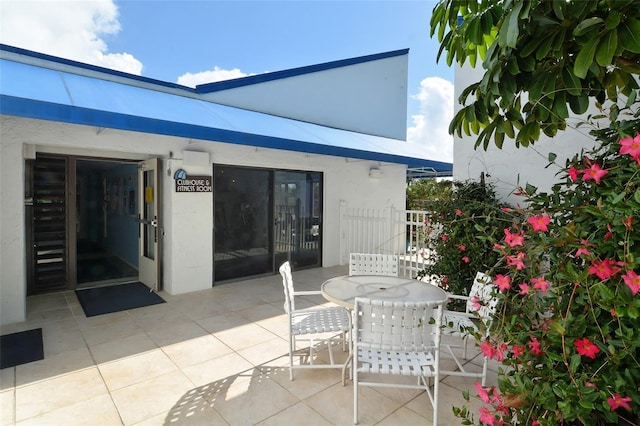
386,231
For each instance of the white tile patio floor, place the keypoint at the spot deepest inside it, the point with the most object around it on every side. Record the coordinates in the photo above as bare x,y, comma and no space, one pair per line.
214,357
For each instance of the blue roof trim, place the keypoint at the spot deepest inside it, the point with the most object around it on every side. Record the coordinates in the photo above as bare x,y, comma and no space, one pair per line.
277,75
21,107
82,65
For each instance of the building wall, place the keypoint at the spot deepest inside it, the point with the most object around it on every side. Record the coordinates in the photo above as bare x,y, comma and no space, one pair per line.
187,218
369,98
510,167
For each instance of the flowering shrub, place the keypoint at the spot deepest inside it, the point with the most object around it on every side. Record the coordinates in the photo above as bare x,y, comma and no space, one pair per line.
457,254
567,329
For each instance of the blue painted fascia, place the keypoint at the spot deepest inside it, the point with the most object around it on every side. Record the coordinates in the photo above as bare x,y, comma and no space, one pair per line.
28,108
278,75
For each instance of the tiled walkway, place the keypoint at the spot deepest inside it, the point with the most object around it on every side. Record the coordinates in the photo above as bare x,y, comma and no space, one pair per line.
214,357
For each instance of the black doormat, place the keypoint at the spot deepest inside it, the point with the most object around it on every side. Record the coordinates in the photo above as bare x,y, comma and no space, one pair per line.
21,348
116,298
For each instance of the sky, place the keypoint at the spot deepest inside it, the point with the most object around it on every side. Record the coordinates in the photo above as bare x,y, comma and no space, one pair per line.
194,42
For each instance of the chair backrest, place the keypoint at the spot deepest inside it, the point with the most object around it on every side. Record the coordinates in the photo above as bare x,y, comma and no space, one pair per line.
387,325
287,283
373,264
482,293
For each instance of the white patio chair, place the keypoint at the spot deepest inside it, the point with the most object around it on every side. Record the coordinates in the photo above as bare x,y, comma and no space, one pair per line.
373,264
470,322
314,325
397,338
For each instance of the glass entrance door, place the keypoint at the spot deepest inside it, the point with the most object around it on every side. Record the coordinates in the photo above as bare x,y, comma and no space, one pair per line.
264,217
298,209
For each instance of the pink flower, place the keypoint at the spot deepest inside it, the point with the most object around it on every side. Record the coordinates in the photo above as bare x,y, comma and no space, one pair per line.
465,259
517,350
499,356
573,173
609,234
628,223
630,146
617,401
583,250
487,350
594,172
516,261
458,212
604,269
462,247
534,345
475,303
482,392
444,237
486,417
632,280
513,239
535,423
524,289
540,284
586,348
539,223
503,282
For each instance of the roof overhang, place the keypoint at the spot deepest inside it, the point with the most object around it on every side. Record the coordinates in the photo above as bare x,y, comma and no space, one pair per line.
38,92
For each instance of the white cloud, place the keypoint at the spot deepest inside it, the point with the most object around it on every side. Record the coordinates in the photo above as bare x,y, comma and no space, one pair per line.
430,126
217,74
68,29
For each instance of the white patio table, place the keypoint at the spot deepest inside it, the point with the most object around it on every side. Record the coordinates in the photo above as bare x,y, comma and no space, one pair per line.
344,289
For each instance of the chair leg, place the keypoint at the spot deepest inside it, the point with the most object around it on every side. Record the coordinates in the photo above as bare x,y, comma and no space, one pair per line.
464,344
485,365
436,398
355,391
292,346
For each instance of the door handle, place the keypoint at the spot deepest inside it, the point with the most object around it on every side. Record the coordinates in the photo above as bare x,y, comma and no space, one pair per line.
153,222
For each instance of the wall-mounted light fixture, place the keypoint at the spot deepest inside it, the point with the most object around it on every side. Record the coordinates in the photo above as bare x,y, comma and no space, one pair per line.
375,173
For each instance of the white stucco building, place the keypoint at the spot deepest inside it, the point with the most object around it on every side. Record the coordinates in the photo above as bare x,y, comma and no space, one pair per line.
108,177
510,167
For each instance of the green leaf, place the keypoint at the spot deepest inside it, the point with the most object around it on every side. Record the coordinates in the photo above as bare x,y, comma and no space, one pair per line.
486,22
544,47
585,403
579,104
586,25
531,46
509,32
535,90
607,48
585,57
619,197
636,196
557,8
499,139
612,20
508,129
552,157
571,82
560,105
574,363
630,34
469,113
474,32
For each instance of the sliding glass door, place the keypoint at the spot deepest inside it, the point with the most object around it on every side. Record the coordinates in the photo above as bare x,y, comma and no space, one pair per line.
264,217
